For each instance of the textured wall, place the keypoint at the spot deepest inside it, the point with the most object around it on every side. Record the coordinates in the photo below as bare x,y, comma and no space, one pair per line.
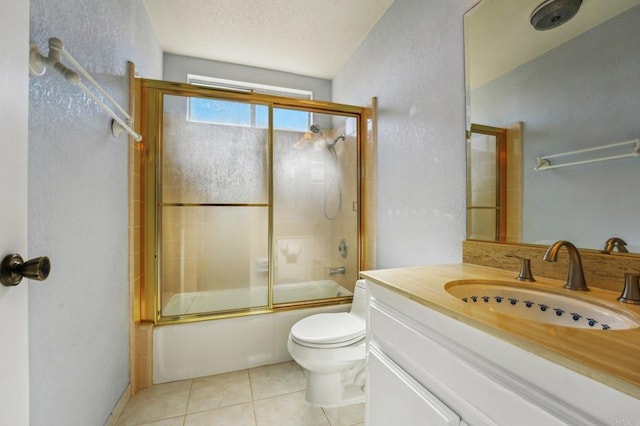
413,62
579,95
177,67
78,318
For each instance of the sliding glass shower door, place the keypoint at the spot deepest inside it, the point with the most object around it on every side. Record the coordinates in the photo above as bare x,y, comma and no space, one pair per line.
214,206
315,209
253,202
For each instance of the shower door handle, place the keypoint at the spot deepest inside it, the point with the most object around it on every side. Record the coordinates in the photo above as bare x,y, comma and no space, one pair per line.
13,268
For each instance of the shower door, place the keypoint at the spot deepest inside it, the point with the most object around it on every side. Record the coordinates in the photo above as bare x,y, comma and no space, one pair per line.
486,183
214,205
252,202
315,208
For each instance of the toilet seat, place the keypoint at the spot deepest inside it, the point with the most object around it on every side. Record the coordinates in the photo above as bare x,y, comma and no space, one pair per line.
329,330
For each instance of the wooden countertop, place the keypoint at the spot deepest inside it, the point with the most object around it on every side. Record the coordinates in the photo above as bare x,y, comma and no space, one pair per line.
611,357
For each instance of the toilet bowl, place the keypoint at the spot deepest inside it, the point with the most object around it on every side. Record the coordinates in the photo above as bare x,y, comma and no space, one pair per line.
331,347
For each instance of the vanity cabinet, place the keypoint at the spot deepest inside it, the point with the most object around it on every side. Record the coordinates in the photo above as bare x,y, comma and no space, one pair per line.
420,406
427,368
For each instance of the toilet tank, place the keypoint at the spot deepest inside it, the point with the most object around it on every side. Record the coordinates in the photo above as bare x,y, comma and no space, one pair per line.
359,303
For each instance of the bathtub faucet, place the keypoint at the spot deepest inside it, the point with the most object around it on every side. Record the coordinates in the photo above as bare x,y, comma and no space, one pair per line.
337,271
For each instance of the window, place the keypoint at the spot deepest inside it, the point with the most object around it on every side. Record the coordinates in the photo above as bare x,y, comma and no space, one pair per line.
245,114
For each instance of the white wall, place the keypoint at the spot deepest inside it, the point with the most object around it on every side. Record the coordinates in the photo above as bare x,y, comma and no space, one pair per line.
78,214
177,67
14,355
413,62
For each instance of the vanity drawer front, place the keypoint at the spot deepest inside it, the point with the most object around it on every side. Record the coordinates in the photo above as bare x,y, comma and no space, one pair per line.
447,375
394,388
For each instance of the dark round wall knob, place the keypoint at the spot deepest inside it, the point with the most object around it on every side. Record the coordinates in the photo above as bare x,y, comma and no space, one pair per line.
13,268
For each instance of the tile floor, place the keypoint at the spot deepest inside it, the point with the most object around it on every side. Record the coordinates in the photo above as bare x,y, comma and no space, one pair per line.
272,395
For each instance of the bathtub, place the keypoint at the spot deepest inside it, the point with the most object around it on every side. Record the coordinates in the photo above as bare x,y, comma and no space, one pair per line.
238,298
184,351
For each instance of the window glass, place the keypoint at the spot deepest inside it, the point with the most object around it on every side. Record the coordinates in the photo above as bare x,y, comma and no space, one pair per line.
245,114
220,112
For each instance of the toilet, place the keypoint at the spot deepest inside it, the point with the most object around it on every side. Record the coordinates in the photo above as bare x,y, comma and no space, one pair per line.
331,347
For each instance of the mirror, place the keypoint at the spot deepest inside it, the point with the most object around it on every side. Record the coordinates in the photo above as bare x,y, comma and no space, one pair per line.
574,90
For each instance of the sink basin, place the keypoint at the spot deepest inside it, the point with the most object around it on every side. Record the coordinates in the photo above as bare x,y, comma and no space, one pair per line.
534,304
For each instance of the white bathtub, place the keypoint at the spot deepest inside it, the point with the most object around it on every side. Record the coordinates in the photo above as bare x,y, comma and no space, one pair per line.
184,351
238,298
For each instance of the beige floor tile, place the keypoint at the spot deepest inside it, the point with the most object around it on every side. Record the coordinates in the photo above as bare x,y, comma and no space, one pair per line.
225,399
221,390
156,403
288,410
348,415
235,415
277,379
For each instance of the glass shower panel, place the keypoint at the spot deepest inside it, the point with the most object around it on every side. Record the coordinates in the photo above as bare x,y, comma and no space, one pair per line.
315,214
213,160
214,206
211,259
481,224
482,187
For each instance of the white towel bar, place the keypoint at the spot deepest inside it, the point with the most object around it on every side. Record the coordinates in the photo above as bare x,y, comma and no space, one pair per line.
545,164
38,64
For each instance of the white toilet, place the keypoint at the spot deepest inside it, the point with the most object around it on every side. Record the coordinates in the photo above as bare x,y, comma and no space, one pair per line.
331,347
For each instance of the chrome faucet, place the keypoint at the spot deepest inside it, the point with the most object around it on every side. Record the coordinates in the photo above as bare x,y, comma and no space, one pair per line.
613,243
337,271
575,280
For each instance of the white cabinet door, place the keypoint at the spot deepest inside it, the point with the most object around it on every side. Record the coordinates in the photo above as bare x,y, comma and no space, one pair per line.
395,398
14,87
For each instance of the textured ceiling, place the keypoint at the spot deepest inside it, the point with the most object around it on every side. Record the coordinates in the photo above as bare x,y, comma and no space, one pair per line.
307,37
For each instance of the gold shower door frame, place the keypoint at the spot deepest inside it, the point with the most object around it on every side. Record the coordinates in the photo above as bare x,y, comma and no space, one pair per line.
500,207
151,118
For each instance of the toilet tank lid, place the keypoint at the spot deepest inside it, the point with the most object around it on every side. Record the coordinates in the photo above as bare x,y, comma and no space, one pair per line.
329,328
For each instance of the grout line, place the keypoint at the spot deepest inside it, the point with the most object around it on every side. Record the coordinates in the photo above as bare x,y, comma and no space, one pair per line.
211,409
186,409
253,405
250,384
280,394
326,416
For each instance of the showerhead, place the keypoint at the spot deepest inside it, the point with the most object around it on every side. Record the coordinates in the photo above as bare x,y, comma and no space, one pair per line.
315,129
553,13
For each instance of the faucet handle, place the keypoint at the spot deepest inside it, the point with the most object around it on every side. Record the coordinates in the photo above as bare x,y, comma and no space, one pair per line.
631,292
525,268
613,243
